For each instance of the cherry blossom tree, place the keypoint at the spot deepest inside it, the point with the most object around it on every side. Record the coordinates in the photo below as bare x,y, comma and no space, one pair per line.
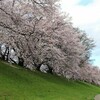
41,34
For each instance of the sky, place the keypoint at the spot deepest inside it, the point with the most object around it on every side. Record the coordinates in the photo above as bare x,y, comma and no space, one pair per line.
86,15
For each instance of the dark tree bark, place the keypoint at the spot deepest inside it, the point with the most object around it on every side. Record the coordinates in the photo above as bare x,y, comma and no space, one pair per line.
21,61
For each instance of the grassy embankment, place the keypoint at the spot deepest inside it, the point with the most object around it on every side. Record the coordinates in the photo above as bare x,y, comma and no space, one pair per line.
21,84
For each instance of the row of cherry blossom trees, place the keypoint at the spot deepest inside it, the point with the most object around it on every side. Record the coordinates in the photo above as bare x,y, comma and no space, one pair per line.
40,33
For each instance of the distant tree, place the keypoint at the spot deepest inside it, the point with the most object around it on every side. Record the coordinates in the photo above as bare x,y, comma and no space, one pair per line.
89,45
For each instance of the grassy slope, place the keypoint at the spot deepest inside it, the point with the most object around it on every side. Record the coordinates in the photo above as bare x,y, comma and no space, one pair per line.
20,84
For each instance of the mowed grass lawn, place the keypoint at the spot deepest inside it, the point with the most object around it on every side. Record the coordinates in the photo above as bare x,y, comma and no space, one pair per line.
21,84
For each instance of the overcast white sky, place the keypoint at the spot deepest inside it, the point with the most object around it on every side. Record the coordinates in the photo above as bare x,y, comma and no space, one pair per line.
86,15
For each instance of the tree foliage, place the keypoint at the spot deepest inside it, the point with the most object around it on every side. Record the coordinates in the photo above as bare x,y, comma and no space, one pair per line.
39,33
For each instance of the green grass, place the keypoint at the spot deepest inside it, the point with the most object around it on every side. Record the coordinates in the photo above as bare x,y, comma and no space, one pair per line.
21,84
